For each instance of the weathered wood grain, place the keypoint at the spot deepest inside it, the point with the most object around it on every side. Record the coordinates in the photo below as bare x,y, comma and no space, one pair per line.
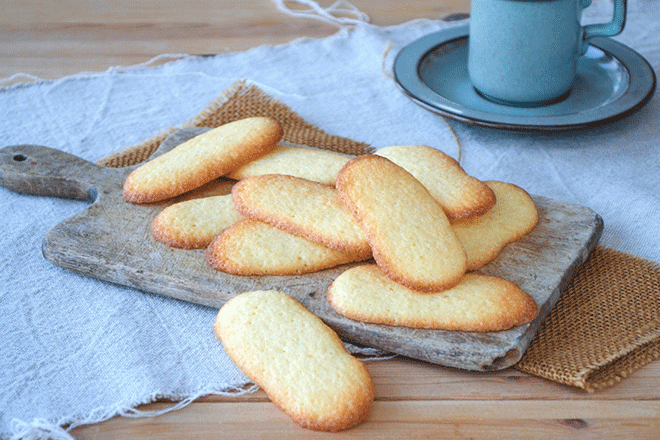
111,240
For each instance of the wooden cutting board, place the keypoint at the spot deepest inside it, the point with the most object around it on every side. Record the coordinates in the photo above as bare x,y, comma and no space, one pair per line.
111,240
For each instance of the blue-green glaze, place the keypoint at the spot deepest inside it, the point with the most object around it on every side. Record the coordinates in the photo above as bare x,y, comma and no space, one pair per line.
525,52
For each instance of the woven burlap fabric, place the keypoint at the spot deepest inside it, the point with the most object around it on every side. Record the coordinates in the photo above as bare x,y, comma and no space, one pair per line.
605,326
607,322
242,101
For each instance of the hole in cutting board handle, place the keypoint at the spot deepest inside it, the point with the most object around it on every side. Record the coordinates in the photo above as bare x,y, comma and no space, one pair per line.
39,170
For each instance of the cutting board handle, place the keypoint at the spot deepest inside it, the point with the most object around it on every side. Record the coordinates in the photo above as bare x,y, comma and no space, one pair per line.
33,169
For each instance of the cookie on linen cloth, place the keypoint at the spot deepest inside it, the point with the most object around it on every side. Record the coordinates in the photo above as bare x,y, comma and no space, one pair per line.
479,303
513,216
202,159
308,163
301,207
193,224
410,236
251,247
296,359
459,194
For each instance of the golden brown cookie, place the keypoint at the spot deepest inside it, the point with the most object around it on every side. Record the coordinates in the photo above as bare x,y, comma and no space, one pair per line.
410,236
301,207
513,216
251,247
193,224
308,163
296,359
202,159
478,303
459,194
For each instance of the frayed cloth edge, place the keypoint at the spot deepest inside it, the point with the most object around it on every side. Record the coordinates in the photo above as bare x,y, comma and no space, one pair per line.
60,429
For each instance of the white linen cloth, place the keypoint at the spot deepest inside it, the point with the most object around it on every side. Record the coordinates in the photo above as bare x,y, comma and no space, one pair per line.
78,350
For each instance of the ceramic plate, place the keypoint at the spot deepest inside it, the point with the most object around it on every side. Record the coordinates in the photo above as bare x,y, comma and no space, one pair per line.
613,81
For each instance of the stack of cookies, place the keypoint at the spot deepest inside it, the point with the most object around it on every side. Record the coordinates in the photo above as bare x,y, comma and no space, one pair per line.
419,223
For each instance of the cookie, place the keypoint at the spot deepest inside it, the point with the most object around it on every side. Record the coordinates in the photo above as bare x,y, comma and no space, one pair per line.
513,216
459,194
251,247
479,303
301,207
308,163
410,236
202,159
193,224
296,359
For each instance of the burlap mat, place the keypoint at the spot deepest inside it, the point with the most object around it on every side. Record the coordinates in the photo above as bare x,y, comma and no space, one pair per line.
606,324
242,101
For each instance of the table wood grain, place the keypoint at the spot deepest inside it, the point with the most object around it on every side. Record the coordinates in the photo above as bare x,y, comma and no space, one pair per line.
55,39
413,399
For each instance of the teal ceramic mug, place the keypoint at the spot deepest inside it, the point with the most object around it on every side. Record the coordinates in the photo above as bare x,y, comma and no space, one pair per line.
525,52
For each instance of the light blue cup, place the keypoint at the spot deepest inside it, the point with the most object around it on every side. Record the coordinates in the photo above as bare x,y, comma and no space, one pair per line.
525,52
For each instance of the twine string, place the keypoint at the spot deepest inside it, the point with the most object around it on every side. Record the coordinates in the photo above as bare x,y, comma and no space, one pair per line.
341,13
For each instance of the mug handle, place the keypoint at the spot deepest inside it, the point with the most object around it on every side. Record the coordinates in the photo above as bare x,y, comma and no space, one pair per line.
610,29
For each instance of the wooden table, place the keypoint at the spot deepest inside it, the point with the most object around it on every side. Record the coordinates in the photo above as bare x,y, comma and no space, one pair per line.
413,399
55,39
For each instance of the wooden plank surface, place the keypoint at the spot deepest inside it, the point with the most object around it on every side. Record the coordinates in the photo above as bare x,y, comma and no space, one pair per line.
94,242
416,400
53,39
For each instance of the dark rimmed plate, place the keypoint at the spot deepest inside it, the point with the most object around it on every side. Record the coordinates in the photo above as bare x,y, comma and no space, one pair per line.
613,81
